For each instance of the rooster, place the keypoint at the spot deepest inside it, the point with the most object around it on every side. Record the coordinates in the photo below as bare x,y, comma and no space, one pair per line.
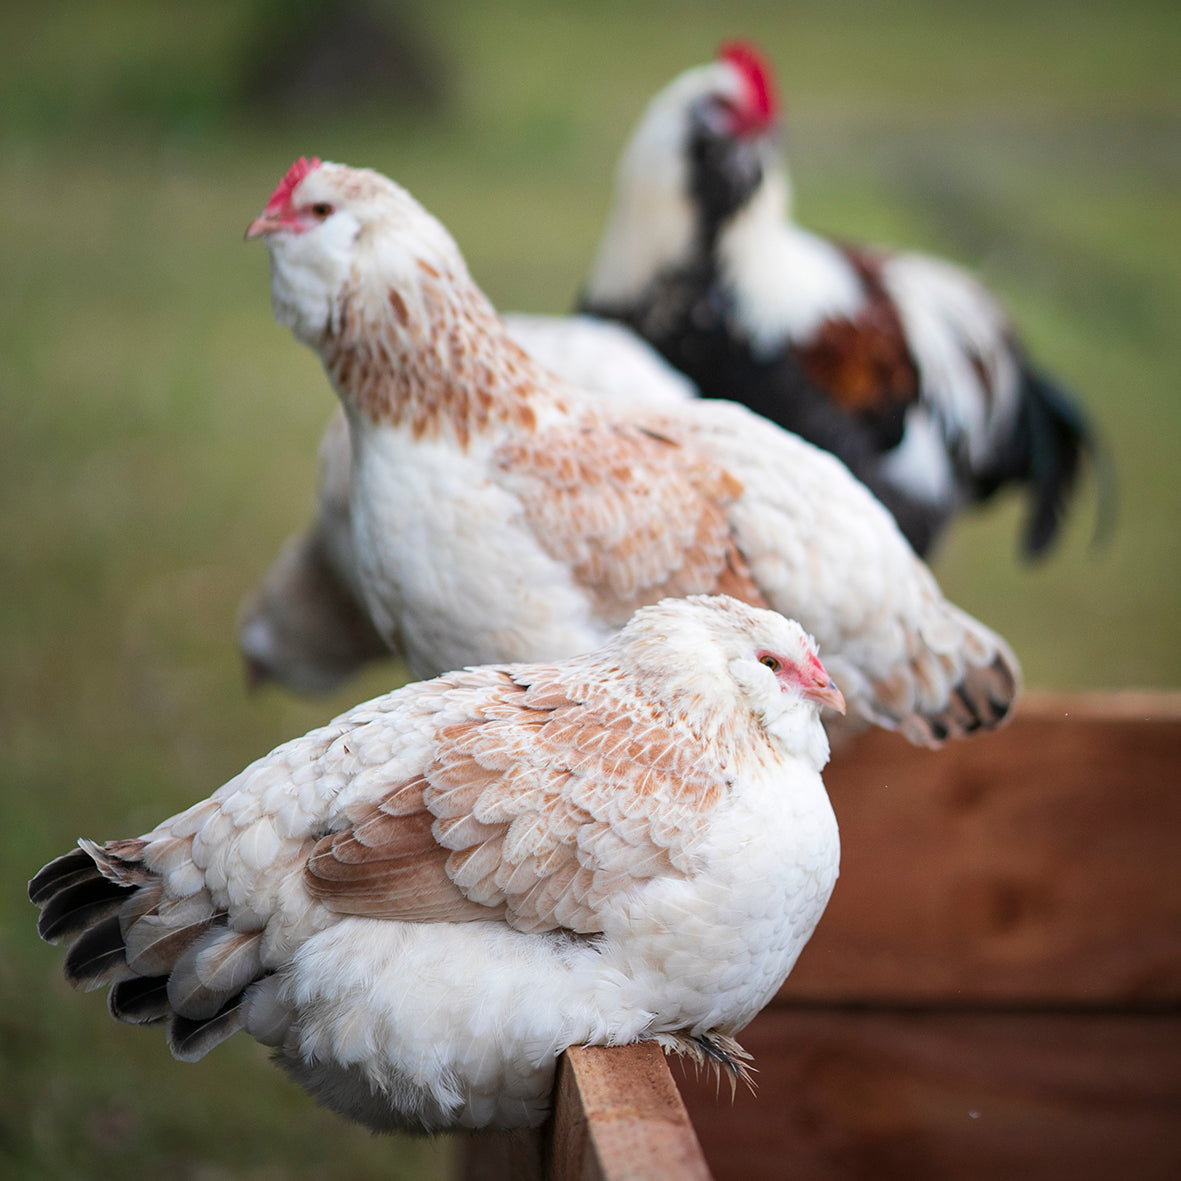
901,364
420,905
500,513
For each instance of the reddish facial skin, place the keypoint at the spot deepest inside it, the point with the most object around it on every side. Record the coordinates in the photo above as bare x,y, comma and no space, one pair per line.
280,213
810,680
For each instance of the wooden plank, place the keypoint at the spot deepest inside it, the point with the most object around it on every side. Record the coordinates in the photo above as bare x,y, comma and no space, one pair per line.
500,1156
1039,863
618,1116
975,1097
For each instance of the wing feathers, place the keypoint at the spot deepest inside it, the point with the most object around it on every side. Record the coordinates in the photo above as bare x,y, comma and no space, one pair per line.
389,867
635,514
538,806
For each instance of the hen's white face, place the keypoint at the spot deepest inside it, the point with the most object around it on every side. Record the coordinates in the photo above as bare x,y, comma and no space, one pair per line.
700,645
331,228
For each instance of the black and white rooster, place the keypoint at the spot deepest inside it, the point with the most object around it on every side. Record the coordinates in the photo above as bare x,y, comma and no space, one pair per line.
901,364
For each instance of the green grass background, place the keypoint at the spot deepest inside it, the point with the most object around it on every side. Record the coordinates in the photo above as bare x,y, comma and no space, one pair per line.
157,430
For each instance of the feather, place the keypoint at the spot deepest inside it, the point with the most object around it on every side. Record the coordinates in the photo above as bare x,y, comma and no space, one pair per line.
214,968
97,956
77,905
191,1039
140,1000
71,869
155,942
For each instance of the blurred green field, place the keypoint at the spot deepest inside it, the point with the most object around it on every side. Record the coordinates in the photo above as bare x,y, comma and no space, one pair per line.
157,430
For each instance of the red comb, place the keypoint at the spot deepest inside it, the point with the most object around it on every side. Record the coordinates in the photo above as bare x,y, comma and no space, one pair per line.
286,186
751,64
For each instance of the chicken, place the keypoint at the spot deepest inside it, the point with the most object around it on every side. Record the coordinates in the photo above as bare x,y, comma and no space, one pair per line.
901,364
420,905
500,513
304,626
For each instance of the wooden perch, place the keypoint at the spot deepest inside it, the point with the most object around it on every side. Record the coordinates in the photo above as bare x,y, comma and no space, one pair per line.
618,1116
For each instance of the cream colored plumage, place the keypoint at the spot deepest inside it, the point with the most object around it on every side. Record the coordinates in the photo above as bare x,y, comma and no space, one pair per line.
420,905
305,626
499,512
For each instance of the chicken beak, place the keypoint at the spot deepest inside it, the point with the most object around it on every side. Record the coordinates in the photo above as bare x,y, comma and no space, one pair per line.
827,694
264,223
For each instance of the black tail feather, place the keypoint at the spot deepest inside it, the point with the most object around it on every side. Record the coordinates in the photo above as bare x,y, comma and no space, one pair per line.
142,1000
1058,435
190,1039
61,873
86,901
97,956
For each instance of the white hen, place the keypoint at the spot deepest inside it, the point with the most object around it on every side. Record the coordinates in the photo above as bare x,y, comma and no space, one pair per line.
304,626
500,513
423,903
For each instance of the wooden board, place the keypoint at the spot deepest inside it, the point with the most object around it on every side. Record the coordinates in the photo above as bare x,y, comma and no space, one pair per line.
1042,862
849,1095
619,1117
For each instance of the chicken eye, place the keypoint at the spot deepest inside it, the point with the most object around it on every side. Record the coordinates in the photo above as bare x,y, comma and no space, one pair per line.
770,662
322,209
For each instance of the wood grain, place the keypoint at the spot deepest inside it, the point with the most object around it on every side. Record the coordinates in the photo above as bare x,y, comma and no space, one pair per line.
1037,864
501,1156
619,1117
881,1095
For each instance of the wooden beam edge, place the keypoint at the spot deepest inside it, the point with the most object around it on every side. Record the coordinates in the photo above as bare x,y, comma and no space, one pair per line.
1123,705
619,1115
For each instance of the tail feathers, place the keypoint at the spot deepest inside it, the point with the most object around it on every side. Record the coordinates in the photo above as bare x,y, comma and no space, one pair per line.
959,677
212,970
141,1000
97,956
165,958
716,1052
157,941
190,1039
981,700
1058,434
85,900
68,870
